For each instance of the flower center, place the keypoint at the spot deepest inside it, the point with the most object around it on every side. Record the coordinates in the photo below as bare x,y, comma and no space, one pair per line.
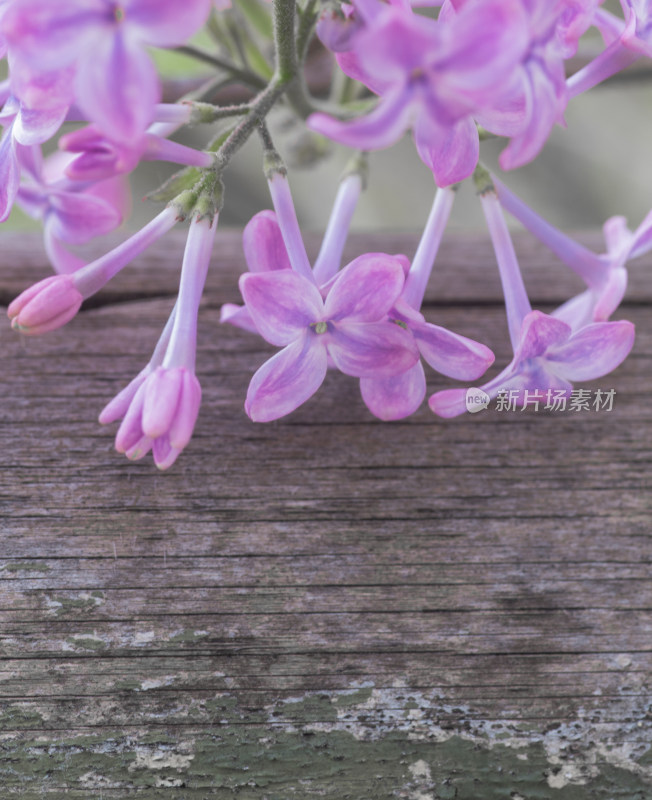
119,14
319,327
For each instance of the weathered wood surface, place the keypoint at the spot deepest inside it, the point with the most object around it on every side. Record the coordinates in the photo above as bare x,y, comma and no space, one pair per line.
327,606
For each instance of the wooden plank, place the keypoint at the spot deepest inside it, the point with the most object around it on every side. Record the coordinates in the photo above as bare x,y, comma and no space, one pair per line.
326,606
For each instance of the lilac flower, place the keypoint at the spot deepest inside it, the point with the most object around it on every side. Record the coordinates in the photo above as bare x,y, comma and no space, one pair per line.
536,97
24,128
350,327
115,82
624,47
159,407
548,354
47,305
72,214
266,242
432,76
605,275
448,353
51,303
99,157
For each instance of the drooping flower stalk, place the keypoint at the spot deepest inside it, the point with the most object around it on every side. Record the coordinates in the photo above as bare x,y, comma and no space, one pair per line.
332,246
159,408
424,258
517,304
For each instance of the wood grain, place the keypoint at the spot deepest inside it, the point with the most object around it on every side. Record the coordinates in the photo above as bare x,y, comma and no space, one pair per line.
328,605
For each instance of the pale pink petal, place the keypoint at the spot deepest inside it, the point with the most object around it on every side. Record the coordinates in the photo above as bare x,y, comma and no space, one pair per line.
77,218
578,311
164,454
611,295
63,261
36,126
540,331
118,407
548,102
372,349
451,354
263,245
165,23
184,421
130,431
448,403
593,351
161,401
282,304
450,151
238,316
366,289
287,380
118,87
139,449
395,397
381,128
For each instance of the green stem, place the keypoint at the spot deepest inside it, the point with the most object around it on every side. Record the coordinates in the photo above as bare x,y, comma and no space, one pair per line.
258,110
284,40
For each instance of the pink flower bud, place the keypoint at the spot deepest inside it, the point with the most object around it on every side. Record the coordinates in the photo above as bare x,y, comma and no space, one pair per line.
47,305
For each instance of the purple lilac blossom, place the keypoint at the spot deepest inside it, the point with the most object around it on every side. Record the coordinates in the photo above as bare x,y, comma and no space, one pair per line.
604,275
537,95
99,157
448,353
548,353
159,408
24,129
350,328
71,213
29,311
105,42
433,77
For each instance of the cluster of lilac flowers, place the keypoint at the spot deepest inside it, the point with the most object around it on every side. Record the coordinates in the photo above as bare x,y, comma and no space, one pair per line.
451,73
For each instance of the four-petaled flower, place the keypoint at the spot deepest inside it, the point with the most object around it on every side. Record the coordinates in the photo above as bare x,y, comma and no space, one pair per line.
550,356
350,328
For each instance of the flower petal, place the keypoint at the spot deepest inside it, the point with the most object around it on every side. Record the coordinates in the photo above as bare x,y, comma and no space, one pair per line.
263,245
395,397
9,174
286,380
130,431
451,354
540,331
165,23
63,261
238,316
184,421
593,351
372,349
118,87
366,289
448,403
162,399
381,128
282,304
78,217
450,151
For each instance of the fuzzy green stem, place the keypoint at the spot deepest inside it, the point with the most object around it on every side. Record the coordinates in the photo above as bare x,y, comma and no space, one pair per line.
284,40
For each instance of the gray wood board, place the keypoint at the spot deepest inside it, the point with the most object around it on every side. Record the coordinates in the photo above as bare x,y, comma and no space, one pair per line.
328,605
